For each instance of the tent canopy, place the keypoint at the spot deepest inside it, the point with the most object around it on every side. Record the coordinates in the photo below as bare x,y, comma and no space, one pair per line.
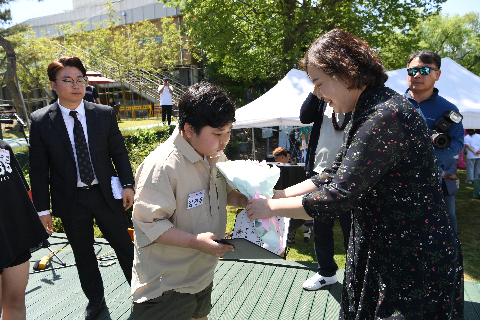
280,106
96,78
456,84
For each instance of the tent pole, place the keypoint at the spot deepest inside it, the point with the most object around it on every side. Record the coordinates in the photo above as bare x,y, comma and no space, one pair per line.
253,143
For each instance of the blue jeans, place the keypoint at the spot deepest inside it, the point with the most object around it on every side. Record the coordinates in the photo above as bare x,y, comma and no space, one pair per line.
473,169
450,202
324,244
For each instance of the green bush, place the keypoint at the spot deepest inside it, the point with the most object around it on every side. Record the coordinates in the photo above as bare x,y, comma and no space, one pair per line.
141,142
233,148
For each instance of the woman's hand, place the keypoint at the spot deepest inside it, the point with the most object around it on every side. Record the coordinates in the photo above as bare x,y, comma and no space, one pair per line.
278,194
259,209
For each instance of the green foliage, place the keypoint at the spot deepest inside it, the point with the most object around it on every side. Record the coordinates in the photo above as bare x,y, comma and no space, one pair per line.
236,88
264,39
36,54
457,37
232,149
468,219
128,49
141,142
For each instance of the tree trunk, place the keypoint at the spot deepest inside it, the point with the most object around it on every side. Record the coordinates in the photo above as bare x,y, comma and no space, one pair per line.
10,79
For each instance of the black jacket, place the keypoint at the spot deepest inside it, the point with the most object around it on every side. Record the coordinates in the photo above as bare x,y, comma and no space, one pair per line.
53,169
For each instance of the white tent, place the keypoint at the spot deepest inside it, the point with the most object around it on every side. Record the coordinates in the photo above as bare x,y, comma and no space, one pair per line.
456,84
280,106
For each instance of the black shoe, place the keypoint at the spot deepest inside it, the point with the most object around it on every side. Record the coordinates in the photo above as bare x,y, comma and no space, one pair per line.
93,308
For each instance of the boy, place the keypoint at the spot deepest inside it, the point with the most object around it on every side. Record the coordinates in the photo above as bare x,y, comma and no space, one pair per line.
180,209
280,155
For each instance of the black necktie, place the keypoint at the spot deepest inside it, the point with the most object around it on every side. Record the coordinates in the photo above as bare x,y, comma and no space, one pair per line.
83,158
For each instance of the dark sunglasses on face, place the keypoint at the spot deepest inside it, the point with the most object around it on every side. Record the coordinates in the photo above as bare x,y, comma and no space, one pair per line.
424,71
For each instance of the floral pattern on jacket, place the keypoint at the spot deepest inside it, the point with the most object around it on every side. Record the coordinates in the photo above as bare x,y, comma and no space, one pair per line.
404,259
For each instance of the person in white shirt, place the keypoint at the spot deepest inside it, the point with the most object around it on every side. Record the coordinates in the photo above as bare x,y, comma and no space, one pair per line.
472,144
165,91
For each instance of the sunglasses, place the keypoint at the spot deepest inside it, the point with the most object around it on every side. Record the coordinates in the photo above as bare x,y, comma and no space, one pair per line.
424,71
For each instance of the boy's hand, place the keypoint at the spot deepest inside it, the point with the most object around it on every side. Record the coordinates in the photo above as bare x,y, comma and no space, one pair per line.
205,242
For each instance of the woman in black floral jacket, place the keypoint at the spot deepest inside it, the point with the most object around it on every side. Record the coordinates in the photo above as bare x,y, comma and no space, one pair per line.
404,259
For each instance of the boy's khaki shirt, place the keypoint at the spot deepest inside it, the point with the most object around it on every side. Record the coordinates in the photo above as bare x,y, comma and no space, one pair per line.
165,181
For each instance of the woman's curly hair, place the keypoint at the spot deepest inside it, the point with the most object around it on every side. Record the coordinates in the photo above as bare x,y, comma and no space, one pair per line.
344,56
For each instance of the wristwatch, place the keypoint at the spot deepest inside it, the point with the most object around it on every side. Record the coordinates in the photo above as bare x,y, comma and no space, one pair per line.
129,186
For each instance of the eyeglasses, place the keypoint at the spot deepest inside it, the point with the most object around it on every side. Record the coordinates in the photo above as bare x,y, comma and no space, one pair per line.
70,82
424,71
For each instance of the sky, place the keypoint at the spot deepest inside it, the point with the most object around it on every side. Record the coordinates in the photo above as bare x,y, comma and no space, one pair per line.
26,9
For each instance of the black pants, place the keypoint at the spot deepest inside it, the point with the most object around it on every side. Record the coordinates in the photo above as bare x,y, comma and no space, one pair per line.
324,244
167,113
78,227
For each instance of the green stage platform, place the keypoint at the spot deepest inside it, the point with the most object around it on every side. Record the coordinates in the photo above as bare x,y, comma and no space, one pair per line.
268,289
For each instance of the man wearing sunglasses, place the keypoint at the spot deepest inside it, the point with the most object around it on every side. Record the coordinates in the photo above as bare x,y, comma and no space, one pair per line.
423,70
77,153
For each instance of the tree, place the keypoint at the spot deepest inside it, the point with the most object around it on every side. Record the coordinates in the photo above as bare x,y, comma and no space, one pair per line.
35,54
10,76
118,51
457,37
258,39
5,20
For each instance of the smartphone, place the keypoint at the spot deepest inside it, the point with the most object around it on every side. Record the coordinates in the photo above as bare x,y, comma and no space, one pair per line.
225,241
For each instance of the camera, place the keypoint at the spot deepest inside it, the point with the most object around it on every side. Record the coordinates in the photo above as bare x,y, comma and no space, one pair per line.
441,140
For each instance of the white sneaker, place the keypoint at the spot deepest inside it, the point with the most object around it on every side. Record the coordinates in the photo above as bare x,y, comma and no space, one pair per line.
307,235
317,281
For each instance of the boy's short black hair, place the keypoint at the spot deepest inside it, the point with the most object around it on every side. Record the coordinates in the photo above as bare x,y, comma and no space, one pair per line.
205,104
426,56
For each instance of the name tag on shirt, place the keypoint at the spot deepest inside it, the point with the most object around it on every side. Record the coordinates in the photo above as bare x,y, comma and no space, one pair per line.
195,199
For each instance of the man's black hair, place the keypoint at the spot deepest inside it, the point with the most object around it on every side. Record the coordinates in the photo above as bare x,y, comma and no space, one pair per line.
426,56
205,104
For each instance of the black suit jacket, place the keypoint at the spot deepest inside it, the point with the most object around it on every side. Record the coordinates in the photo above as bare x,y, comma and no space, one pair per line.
52,163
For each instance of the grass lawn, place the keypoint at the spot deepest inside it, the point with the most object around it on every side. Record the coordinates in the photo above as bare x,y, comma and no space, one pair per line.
468,220
129,123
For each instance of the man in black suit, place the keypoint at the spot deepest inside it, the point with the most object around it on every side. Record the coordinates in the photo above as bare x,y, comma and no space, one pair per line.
77,174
